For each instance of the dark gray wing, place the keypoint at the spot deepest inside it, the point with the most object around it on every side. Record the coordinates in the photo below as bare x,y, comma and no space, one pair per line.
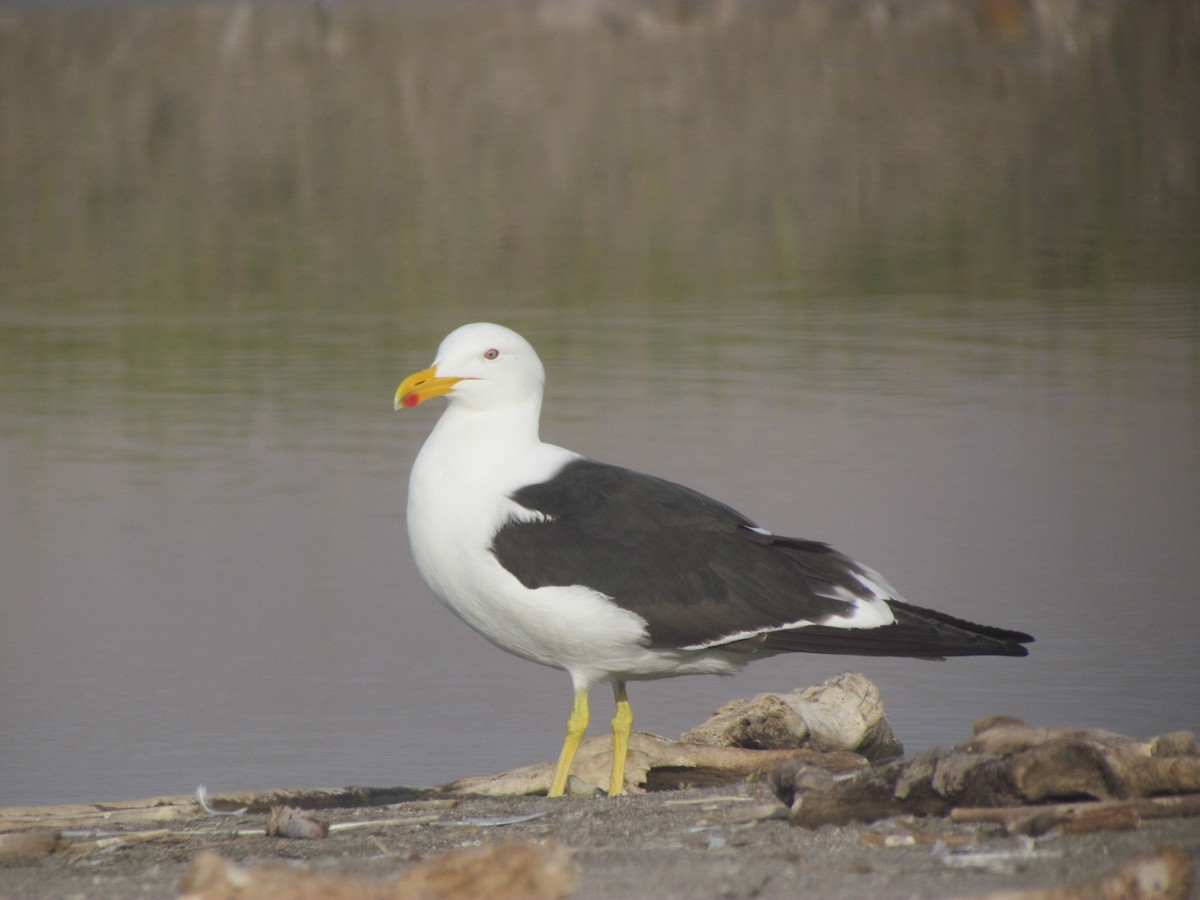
700,572
696,570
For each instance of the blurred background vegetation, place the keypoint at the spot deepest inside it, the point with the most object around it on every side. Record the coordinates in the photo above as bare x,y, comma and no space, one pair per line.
417,154
920,277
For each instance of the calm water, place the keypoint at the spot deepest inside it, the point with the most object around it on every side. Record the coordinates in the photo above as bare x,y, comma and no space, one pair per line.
963,347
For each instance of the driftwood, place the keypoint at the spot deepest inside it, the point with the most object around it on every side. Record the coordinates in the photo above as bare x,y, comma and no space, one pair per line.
98,815
839,726
1005,764
1165,874
1081,817
1049,763
502,872
843,713
653,763
157,810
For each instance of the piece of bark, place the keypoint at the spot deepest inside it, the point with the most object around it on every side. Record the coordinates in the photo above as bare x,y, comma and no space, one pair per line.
500,872
1053,764
1164,874
1006,734
764,722
928,784
1105,764
974,779
1059,769
289,822
843,713
1016,819
914,781
817,797
846,712
653,763
1077,821
1072,767
1056,763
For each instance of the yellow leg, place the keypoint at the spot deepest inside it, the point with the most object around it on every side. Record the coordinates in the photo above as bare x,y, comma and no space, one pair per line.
576,726
622,724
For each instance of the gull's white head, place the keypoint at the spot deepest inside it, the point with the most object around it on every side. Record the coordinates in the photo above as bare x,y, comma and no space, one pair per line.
479,366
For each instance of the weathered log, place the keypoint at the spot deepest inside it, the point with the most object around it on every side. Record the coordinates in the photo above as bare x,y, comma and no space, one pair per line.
843,713
1034,819
1100,769
1006,764
653,763
1090,762
1007,734
928,784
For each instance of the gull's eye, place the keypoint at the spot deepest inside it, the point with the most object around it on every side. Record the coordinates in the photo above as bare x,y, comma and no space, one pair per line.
491,354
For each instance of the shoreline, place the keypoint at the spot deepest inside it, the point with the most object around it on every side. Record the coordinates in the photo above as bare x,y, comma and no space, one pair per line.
722,841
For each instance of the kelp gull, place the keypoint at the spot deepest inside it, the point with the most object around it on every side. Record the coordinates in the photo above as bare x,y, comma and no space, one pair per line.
616,576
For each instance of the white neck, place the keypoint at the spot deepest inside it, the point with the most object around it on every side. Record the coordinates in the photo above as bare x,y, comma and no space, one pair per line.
462,480
475,458
487,439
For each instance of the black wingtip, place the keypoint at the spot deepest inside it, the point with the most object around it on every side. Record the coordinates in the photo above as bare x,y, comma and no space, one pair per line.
917,633
950,636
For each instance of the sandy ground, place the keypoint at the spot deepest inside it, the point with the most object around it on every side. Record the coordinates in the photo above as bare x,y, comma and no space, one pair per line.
689,843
